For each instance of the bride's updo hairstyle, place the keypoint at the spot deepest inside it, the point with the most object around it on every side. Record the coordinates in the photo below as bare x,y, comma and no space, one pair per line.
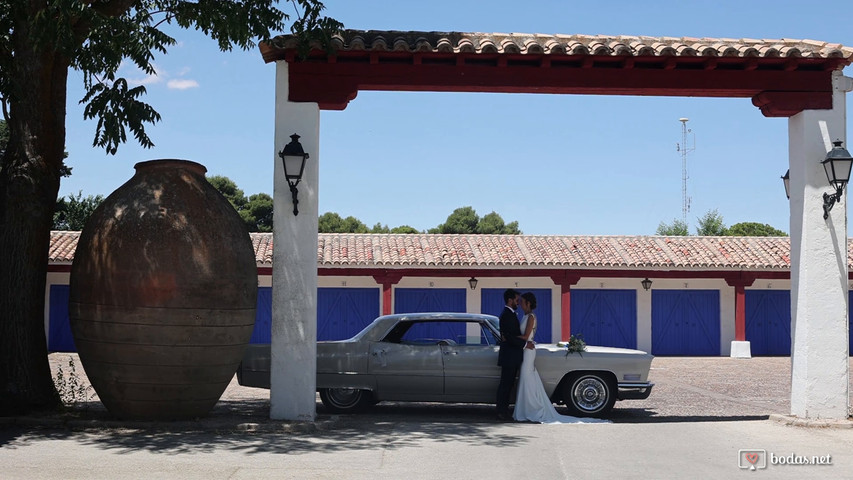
531,299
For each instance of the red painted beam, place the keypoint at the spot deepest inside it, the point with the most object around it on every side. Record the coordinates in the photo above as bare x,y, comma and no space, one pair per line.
776,86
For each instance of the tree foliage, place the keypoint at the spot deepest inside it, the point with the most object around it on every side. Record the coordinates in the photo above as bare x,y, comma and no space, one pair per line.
405,229
754,229
39,42
492,223
677,228
465,220
462,220
229,190
256,210
711,224
258,213
72,211
331,222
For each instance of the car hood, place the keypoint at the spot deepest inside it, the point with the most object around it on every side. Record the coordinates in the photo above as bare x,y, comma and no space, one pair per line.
592,349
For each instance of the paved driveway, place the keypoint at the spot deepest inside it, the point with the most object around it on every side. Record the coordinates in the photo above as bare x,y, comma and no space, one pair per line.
686,389
703,412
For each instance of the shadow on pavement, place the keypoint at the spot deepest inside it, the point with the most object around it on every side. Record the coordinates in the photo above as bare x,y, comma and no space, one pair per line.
642,415
329,435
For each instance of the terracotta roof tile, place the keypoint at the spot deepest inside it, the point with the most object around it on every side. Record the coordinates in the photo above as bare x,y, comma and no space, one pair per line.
611,45
545,251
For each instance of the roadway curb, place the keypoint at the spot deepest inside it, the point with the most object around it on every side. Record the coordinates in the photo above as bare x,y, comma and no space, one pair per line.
811,422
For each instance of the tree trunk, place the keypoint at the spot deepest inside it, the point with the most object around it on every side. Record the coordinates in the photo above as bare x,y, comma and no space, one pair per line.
29,183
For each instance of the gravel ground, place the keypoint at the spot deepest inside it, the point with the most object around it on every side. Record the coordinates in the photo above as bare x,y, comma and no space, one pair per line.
686,389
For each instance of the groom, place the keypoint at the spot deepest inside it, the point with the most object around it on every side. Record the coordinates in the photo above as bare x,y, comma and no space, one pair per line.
510,354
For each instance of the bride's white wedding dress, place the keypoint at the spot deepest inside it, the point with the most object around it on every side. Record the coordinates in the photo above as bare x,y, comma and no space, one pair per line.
531,403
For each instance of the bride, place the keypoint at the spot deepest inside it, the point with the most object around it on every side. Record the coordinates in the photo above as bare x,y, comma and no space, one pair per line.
531,403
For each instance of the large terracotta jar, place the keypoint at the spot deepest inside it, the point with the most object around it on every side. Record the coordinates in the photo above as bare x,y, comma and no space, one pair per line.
163,294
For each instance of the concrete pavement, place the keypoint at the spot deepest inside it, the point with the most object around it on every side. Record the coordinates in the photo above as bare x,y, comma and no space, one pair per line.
702,412
351,449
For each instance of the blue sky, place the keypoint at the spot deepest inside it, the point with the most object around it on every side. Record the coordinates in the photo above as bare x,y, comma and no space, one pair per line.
558,164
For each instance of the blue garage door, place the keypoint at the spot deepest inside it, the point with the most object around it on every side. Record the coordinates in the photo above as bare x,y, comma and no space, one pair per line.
605,317
686,322
263,316
492,303
768,321
59,337
416,300
343,312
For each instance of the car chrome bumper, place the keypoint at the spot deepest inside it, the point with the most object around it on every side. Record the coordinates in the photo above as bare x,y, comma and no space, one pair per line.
634,390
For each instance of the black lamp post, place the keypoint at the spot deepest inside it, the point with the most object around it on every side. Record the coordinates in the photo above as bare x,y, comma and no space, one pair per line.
293,158
472,282
786,180
837,166
647,284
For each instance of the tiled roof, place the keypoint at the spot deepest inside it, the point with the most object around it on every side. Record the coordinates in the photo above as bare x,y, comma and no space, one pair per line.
599,45
521,251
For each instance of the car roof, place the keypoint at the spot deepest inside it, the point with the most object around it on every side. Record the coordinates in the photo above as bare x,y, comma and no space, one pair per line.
380,327
439,316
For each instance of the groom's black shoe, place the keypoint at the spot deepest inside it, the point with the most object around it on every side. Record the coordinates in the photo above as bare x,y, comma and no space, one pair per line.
504,417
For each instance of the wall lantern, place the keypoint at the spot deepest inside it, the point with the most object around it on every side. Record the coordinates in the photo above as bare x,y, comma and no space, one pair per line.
293,158
472,282
786,180
647,284
837,166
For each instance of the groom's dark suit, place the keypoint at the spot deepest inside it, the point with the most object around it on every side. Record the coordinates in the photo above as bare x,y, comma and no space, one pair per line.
510,355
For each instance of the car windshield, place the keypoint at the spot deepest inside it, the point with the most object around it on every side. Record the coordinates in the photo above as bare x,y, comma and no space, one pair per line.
445,332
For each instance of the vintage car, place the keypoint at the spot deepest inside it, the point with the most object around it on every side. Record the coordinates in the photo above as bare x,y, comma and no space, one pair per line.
452,357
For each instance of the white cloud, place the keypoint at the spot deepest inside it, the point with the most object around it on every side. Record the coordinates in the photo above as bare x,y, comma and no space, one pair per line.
151,79
181,84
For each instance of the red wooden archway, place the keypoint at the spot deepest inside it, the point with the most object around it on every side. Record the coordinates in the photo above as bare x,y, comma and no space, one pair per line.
782,77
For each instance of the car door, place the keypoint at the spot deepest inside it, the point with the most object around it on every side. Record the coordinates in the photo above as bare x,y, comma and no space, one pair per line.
411,369
471,371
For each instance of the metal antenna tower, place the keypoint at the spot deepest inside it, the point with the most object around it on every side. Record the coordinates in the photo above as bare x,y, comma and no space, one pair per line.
684,149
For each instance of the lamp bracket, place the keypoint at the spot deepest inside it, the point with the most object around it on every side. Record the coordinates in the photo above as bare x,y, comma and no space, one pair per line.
829,200
294,191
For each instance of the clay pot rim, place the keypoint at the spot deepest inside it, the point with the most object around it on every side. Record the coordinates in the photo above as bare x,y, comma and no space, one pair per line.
172,163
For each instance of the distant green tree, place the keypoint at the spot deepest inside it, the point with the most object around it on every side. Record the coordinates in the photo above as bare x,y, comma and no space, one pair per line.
257,213
229,190
462,220
331,222
71,212
711,224
677,228
379,228
404,229
754,229
492,223
256,210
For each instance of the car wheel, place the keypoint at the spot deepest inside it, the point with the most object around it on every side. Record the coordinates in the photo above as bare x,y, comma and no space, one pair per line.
346,400
589,394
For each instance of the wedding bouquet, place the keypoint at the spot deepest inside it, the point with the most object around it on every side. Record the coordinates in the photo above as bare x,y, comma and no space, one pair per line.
575,344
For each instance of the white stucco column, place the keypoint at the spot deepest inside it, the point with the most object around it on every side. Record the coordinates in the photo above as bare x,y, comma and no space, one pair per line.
819,353
293,379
